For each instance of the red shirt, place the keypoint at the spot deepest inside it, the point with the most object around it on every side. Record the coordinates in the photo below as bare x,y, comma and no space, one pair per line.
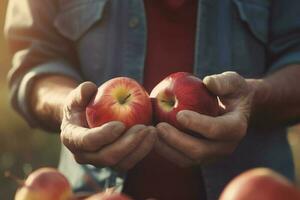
171,32
171,27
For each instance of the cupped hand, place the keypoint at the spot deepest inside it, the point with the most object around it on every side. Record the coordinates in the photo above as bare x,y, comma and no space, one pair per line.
108,145
220,135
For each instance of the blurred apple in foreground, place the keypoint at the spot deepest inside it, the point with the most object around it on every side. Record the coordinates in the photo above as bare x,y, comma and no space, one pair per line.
182,91
45,184
108,196
260,184
120,99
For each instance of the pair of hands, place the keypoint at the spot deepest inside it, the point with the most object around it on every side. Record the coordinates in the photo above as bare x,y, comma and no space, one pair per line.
112,145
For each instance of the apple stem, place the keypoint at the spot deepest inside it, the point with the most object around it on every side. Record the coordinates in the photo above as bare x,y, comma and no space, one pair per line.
11,176
171,103
124,100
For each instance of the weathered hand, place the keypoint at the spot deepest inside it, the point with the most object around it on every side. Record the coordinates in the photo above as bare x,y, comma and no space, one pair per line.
221,134
107,145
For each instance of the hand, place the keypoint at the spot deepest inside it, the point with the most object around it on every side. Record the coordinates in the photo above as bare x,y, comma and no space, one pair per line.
107,145
221,134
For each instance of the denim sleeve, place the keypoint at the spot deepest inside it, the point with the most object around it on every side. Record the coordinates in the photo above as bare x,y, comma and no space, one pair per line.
284,43
37,49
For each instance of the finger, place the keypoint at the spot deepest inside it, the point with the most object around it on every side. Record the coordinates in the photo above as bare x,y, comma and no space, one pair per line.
77,138
223,84
113,153
172,154
81,96
227,127
139,152
194,148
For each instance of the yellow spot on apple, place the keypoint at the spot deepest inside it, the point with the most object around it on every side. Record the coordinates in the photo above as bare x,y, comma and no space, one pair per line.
167,102
122,94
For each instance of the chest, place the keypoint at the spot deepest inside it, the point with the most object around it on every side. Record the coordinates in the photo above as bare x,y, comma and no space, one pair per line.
110,36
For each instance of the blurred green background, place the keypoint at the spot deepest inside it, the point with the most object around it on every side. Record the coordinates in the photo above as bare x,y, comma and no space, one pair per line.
23,149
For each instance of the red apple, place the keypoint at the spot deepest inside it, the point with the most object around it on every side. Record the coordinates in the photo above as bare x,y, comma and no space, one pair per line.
182,91
45,184
260,184
108,196
120,99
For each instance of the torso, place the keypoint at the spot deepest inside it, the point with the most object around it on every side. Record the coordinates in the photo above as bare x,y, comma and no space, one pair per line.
171,28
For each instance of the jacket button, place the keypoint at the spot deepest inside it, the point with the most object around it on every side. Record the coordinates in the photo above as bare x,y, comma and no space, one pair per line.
133,22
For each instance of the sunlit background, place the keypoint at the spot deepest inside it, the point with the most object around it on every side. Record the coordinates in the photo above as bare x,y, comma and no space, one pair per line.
23,149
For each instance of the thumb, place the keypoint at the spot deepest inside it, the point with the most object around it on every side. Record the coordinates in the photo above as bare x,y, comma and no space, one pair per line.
81,96
227,83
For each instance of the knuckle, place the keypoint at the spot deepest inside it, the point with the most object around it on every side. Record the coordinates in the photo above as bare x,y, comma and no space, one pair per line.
232,74
64,138
85,142
235,79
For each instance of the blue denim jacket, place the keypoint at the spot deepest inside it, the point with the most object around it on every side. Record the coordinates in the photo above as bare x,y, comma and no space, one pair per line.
99,39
